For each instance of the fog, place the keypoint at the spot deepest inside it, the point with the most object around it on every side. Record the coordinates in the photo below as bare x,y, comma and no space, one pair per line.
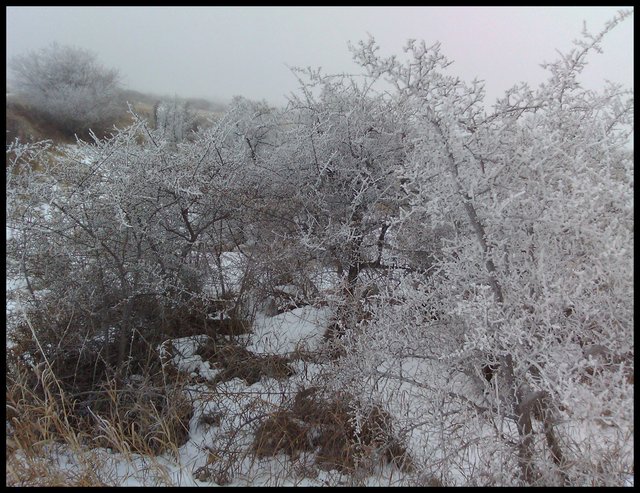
219,52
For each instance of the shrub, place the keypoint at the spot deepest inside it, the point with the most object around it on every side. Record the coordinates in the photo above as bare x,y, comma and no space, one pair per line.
69,86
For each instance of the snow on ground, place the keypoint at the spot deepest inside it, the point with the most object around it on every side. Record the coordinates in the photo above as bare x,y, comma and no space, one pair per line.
301,328
232,270
240,408
185,359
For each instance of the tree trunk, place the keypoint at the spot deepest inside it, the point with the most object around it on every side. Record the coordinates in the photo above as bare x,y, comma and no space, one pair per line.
521,403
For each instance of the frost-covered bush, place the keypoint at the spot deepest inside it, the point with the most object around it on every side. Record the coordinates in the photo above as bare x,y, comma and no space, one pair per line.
534,282
120,237
175,119
68,86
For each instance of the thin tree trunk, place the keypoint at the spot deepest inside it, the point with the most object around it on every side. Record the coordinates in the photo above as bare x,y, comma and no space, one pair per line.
476,224
521,405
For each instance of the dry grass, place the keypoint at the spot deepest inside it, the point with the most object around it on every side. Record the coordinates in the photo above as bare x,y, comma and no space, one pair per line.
142,417
35,424
195,318
238,362
41,471
45,414
40,426
29,125
326,426
282,432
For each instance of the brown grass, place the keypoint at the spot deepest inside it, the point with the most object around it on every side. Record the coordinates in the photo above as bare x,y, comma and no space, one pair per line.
30,125
195,319
238,362
39,471
142,417
45,408
35,423
38,425
25,124
325,425
281,432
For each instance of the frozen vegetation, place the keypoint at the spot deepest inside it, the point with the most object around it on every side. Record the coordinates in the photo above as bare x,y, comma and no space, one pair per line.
383,283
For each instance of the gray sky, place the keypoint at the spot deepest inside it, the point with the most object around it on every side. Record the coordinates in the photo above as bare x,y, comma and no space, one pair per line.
219,52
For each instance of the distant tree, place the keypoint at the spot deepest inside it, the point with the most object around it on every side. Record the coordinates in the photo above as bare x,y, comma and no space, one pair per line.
175,118
68,86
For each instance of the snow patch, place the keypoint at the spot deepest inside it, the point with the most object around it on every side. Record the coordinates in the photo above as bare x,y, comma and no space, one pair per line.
302,328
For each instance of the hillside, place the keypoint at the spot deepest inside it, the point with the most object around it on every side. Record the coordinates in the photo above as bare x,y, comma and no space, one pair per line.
28,125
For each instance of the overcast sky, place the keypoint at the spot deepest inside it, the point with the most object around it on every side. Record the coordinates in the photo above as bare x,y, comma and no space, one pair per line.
219,52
